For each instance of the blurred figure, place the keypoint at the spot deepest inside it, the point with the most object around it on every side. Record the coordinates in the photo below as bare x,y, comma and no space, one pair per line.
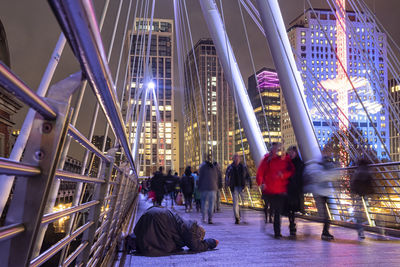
272,175
318,177
170,184
160,232
157,185
177,185
295,199
187,187
208,186
236,176
218,200
197,194
361,185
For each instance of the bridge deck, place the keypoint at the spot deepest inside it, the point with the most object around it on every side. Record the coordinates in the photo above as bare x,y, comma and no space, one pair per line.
252,244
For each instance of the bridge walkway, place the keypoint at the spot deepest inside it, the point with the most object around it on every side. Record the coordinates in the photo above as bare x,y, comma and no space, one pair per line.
252,244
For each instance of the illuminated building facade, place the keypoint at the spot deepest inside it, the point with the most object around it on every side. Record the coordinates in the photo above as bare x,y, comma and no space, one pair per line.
156,143
311,36
288,137
269,119
394,90
209,123
175,152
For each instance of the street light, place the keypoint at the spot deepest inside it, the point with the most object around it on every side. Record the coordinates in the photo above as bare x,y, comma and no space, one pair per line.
151,85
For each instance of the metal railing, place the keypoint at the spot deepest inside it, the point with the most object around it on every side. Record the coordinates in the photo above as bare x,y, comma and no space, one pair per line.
104,203
379,211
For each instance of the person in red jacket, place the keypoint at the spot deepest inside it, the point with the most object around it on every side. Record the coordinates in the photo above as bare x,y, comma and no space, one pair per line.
272,175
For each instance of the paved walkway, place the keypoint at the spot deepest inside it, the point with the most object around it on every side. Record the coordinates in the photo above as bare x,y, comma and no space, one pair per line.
252,244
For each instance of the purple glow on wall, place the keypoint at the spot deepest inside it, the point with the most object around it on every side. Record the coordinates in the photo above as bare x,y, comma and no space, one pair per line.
267,79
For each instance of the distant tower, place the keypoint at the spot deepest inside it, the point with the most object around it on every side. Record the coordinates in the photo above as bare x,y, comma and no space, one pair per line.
268,119
218,111
156,143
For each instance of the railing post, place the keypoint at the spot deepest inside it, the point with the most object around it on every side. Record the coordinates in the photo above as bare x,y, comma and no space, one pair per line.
43,149
371,222
117,208
114,198
100,192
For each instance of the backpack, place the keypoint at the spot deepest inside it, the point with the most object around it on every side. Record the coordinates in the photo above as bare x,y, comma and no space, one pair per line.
361,182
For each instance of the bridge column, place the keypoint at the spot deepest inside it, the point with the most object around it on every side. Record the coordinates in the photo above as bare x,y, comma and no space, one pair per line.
289,78
234,79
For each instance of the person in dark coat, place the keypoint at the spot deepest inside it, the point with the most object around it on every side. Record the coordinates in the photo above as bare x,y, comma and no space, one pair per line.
237,176
170,183
157,185
159,232
187,187
295,199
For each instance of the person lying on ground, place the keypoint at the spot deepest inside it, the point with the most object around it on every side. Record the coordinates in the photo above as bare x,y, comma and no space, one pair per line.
160,232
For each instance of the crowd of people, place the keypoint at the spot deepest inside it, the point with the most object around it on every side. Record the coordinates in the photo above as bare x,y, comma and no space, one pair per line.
282,177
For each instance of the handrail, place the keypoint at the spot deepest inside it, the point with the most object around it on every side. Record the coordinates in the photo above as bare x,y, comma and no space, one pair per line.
78,20
58,246
11,167
51,217
80,138
374,165
9,231
75,254
74,177
17,87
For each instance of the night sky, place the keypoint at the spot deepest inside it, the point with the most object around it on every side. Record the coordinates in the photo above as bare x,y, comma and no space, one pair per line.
32,32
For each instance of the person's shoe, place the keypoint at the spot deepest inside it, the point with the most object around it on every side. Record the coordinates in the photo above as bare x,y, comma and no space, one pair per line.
327,236
210,221
278,236
292,233
270,220
237,221
361,234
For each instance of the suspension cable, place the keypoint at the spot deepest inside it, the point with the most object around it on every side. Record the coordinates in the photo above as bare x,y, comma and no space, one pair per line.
254,71
191,93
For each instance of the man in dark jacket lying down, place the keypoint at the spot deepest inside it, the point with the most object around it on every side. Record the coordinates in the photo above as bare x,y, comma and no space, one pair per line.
160,232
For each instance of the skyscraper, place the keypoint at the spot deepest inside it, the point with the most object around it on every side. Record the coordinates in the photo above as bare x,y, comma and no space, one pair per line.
267,111
362,50
156,143
209,108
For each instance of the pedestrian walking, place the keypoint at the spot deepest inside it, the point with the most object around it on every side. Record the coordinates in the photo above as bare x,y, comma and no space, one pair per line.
187,187
218,199
170,184
361,185
272,175
295,197
208,186
197,194
318,178
237,176
157,185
